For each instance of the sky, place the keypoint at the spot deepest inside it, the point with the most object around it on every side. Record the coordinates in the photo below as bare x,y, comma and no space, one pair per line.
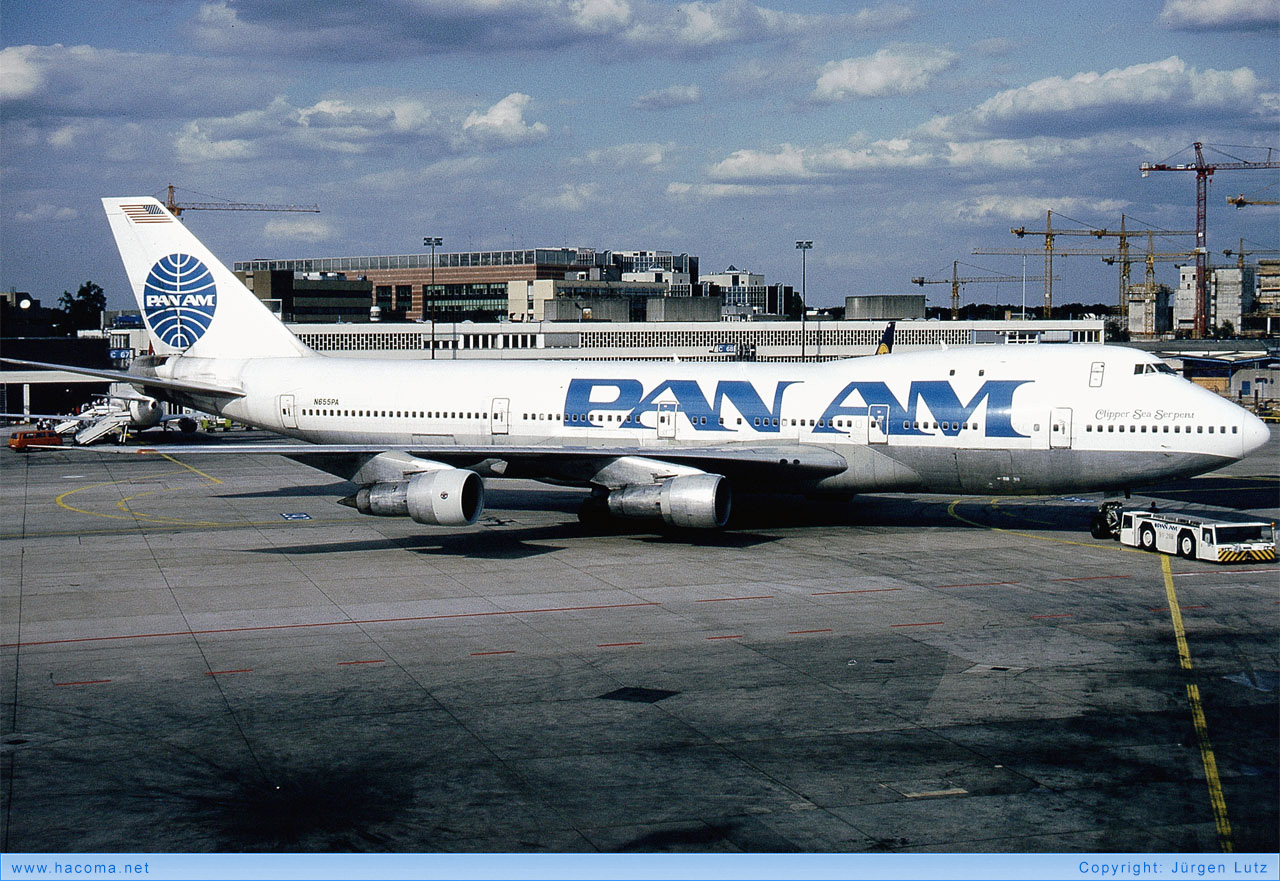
897,136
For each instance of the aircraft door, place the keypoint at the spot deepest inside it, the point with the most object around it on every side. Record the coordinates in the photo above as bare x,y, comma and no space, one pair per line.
878,424
667,420
1060,429
288,413
499,415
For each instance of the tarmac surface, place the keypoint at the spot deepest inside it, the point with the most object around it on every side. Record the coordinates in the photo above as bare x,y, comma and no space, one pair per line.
209,654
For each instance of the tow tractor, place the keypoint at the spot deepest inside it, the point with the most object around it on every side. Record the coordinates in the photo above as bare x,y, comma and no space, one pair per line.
1197,538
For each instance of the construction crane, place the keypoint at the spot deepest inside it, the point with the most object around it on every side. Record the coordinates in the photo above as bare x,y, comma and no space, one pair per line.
1240,201
1204,170
1108,255
176,209
1122,234
955,281
1241,253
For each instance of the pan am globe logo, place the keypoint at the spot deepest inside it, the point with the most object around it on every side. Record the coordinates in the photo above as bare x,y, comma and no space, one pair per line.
179,299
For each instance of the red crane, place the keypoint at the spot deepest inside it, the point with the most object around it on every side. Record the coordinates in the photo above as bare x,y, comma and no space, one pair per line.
1204,171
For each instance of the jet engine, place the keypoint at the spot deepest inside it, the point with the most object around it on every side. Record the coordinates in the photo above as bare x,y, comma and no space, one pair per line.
697,501
447,497
144,413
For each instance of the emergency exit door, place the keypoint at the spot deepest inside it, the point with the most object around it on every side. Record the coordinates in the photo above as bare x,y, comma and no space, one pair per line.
288,415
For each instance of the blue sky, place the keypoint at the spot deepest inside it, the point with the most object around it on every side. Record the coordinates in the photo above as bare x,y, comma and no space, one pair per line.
897,136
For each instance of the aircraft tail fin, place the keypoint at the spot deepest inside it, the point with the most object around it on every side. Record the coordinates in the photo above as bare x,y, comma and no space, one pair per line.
886,340
192,304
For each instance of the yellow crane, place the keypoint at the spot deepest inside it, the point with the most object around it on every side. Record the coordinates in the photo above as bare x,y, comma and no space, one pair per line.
1241,253
1240,201
955,281
176,208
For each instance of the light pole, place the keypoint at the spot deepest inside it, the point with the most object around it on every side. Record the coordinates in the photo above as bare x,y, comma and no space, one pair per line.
803,248
433,242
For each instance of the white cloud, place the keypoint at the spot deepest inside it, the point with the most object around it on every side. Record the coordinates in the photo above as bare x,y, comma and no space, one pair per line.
990,207
668,98
391,28
1223,15
504,122
298,229
571,197
628,155
85,81
1149,94
45,214
895,70
790,163
194,145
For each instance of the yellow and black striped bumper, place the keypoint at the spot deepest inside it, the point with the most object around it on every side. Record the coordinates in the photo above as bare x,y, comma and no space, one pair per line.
1261,554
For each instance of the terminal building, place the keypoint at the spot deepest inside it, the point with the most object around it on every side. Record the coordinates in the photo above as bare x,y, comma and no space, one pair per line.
487,285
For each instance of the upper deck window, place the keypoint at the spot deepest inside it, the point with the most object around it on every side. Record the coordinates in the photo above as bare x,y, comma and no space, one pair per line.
1156,367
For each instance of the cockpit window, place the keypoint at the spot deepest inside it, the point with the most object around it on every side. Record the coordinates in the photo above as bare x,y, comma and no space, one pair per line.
1157,367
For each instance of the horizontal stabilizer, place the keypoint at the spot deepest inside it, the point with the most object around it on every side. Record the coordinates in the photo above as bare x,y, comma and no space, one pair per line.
176,385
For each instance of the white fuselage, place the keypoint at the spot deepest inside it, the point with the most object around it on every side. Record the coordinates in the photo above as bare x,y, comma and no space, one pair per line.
1011,419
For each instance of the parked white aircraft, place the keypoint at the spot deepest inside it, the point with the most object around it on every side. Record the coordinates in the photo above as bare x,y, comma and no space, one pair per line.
662,440
112,416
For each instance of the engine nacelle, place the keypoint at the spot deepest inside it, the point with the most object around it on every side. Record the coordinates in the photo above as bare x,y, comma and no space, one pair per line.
145,414
448,497
694,501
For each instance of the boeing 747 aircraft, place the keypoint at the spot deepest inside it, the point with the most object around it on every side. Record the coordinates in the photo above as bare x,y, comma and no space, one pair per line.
671,440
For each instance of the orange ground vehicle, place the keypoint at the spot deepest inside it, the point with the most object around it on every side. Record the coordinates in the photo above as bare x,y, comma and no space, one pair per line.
20,440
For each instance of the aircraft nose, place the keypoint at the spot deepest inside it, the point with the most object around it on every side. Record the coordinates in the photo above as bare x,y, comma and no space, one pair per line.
1255,431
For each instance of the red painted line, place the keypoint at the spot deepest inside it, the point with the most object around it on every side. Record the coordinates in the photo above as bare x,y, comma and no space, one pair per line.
220,672
484,654
1064,615
347,623
733,599
614,645
1181,608
979,584
921,624
1091,578
350,663
735,636
798,632
84,682
831,593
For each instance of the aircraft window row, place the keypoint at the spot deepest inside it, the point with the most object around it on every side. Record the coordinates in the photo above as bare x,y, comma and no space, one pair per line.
1162,429
395,414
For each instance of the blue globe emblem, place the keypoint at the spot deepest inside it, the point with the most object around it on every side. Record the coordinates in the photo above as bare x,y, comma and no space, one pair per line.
179,299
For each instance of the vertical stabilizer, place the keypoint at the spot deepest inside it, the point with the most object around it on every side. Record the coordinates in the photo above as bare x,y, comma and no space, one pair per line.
190,301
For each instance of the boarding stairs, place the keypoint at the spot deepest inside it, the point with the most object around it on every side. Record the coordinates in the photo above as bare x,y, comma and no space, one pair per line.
113,423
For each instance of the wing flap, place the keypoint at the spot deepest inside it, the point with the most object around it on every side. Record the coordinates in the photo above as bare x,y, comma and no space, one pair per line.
572,463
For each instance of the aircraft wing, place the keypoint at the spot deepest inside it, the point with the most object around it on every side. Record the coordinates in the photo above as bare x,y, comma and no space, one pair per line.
61,417
175,385
576,464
